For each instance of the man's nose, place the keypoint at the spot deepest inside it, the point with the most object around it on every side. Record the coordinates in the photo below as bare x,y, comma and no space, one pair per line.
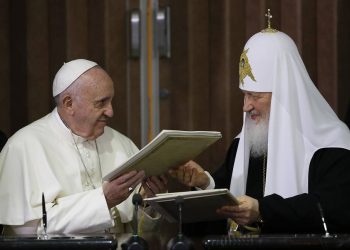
109,111
247,105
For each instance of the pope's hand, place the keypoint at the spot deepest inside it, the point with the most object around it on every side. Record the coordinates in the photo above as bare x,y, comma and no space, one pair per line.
191,174
154,185
119,189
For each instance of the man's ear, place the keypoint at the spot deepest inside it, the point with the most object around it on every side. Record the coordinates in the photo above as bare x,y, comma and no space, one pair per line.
67,103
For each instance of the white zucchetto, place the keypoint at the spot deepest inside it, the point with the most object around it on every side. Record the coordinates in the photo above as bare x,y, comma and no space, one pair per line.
68,73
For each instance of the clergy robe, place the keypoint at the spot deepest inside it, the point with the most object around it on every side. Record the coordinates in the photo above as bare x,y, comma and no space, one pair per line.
42,157
329,185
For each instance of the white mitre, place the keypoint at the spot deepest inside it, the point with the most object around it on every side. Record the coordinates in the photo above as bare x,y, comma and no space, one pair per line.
300,123
68,73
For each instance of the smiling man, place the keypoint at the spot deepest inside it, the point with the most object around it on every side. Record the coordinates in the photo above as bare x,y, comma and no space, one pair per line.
65,155
292,155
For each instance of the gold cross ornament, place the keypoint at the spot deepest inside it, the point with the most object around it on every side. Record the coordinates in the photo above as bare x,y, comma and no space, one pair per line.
269,29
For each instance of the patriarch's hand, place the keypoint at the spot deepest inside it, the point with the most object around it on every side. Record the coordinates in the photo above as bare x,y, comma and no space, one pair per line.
246,213
191,174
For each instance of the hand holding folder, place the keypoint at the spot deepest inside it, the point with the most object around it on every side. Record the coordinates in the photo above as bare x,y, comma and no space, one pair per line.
197,206
169,149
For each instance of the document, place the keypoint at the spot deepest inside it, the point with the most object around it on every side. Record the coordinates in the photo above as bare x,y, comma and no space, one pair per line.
170,148
197,206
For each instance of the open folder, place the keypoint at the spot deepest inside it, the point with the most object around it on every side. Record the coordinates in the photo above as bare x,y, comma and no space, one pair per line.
170,148
197,206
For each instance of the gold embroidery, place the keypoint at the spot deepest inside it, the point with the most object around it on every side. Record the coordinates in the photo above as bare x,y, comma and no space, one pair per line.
244,67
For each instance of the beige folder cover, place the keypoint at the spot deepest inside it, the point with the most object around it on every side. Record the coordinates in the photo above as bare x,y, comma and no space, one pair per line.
197,206
168,149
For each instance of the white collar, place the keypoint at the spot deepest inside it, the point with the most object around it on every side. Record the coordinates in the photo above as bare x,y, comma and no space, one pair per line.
67,131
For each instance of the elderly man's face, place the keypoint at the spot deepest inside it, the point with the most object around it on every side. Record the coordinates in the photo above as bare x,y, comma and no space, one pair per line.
257,105
93,103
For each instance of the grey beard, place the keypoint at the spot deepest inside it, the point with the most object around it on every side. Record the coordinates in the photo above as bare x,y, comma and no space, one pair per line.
257,136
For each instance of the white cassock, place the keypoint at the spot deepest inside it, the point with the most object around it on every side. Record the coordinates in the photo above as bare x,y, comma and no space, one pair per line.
43,157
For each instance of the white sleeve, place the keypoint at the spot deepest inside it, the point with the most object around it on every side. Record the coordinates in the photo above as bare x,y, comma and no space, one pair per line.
85,212
211,182
28,228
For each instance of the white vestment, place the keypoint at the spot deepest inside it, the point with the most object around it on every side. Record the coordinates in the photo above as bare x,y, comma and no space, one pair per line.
43,158
301,121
